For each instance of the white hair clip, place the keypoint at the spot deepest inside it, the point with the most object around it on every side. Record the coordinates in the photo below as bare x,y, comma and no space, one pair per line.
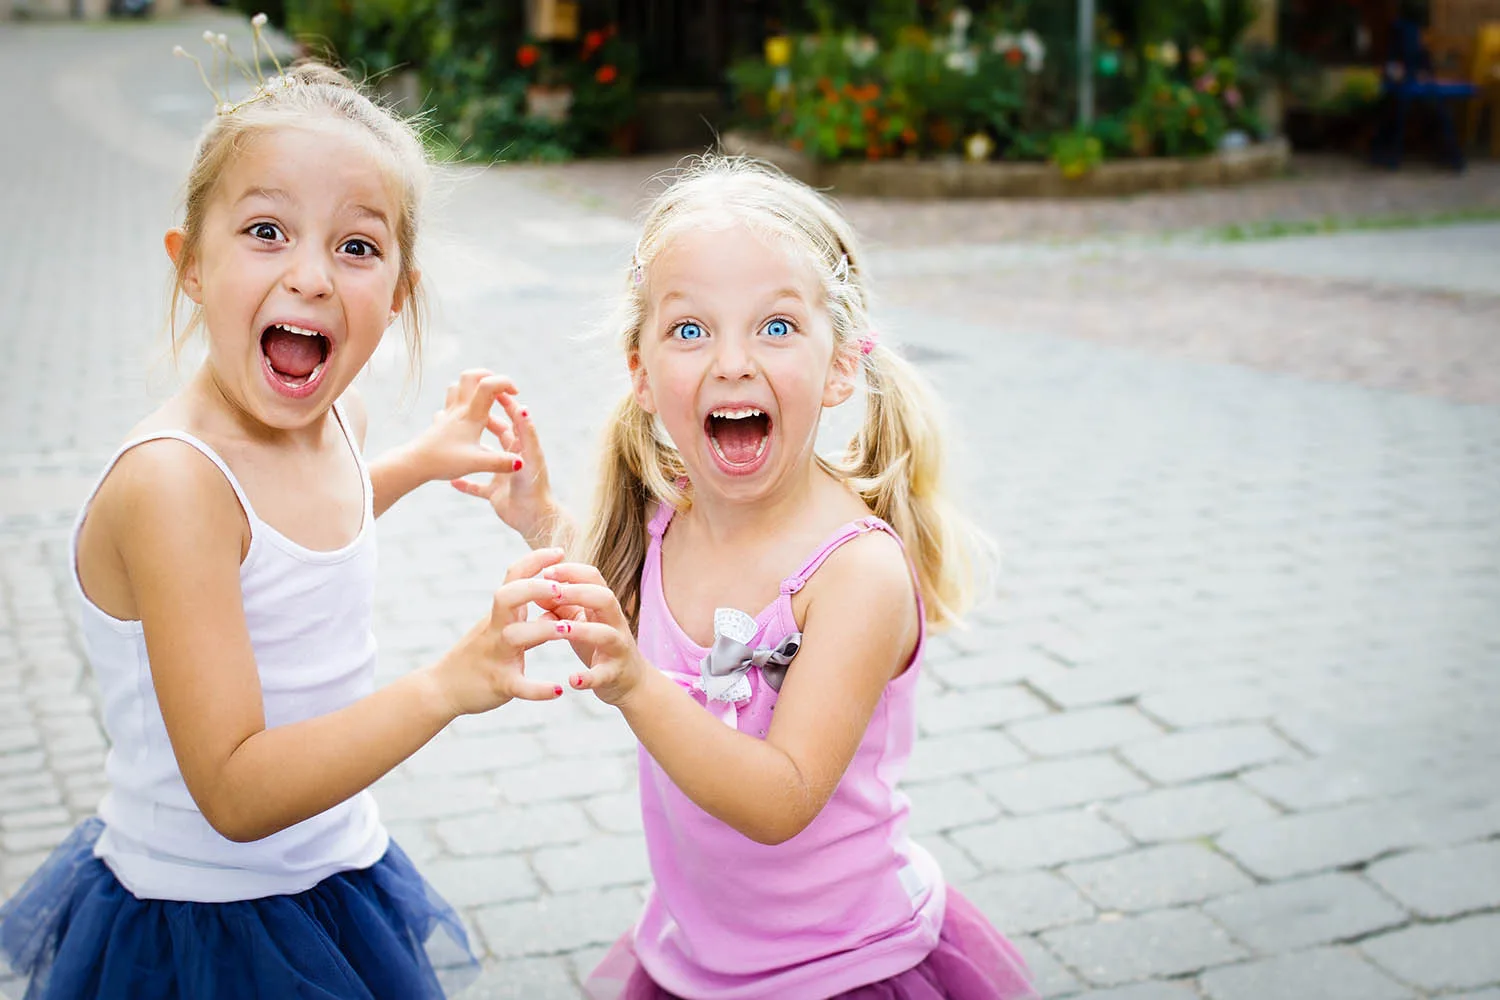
841,269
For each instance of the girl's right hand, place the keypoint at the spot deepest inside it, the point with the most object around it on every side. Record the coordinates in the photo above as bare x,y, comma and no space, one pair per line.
598,631
487,667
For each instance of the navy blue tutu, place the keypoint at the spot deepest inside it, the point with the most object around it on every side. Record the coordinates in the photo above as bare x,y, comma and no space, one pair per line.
380,933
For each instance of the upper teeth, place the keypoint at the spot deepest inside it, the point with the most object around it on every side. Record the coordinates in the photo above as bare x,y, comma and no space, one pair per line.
739,413
289,328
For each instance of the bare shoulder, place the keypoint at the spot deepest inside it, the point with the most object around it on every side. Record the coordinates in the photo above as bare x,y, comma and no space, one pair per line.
167,486
870,568
356,413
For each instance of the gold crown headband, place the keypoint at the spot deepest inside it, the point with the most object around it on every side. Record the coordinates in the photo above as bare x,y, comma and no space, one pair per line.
224,58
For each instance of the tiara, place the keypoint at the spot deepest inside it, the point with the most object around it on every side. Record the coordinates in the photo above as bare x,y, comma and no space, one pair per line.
224,59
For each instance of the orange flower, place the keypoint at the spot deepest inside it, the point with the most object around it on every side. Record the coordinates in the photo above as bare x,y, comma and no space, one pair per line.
606,74
1014,56
592,41
872,152
909,135
870,115
527,55
797,145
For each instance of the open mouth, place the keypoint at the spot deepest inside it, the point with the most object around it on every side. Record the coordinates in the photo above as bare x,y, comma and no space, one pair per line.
739,436
294,357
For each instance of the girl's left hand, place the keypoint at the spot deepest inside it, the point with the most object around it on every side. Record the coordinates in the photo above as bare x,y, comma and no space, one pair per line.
598,631
450,448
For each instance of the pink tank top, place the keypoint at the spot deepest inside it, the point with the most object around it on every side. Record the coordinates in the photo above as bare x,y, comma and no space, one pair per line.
848,901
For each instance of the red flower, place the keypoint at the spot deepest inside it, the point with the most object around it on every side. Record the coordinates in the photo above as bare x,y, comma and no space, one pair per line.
527,55
1014,56
591,42
606,74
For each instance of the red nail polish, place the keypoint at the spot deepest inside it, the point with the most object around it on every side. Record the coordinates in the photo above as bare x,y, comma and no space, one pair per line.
517,466
525,413
578,680
557,689
563,628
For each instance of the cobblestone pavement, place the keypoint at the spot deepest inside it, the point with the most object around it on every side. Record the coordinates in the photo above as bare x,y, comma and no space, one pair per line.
1227,730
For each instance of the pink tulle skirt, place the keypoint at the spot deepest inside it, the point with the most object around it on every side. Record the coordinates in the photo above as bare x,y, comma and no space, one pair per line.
972,961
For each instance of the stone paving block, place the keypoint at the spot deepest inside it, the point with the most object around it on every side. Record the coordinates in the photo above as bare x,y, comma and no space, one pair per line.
957,865
28,791
1049,977
1323,974
959,711
1450,956
1286,916
1188,812
984,670
952,802
436,797
526,979
589,737
1100,685
960,753
515,828
1168,990
1044,785
554,924
1314,784
584,961
480,755
1040,841
30,762
594,864
1157,877
1205,753
1331,838
1028,902
34,838
618,813
27,819
1477,995
482,881
1443,883
1083,730
567,780
1210,704
1164,943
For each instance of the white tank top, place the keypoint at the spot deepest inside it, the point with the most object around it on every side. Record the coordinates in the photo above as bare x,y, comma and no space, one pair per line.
309,614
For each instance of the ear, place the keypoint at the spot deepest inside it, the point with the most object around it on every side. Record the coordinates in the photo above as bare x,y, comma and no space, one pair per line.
843,371
404,291
175,241
640,384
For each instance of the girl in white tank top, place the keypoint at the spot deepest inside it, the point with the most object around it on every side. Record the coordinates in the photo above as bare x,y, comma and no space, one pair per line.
225,565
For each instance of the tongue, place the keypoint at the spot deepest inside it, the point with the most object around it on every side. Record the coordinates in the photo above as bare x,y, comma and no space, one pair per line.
739,440
292,354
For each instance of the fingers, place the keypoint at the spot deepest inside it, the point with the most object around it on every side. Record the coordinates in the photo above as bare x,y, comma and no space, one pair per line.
531,564
501,430
601,603
575,573
528,689
467,380
524,427
481,490
484,393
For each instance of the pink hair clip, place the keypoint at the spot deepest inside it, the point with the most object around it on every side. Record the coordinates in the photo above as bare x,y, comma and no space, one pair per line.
868,341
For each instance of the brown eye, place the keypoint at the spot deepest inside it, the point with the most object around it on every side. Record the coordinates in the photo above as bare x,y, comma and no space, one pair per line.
266,231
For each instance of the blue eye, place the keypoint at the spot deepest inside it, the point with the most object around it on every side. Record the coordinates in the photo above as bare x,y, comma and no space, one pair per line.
778,328
689,331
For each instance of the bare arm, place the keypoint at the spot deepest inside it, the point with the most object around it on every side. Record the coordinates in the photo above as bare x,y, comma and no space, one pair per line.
178,528
860,628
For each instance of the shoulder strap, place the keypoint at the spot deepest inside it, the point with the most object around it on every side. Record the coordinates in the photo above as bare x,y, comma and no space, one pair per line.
659,521
193,442
852,530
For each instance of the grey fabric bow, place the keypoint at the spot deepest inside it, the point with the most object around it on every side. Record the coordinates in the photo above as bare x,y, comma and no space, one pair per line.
723,670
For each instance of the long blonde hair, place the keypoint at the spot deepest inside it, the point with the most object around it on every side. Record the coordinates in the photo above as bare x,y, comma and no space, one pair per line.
894,462
314,91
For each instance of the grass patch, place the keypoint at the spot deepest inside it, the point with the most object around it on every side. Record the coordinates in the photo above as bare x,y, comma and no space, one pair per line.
1240,232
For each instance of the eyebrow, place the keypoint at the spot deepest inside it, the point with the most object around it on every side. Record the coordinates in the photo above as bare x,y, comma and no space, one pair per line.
777,296
282,195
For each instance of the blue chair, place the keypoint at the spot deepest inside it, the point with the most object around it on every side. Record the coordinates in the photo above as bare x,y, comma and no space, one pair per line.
1408,80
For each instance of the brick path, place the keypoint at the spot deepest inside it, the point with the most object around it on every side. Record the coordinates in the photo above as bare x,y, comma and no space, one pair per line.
1228,731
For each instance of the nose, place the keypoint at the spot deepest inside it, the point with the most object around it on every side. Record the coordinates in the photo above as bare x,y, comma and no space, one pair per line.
733,360
307,273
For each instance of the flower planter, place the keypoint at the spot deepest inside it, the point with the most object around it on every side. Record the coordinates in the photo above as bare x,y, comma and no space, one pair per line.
956,178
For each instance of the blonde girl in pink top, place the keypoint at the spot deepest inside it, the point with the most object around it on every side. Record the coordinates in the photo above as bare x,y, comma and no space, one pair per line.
771,744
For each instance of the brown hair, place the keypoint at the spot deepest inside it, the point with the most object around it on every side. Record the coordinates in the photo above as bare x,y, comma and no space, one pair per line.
894,462
308,91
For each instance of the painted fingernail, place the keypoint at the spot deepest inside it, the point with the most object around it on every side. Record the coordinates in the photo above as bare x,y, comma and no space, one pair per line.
557,689
517,466
563,628
556,589
578,680
525,412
